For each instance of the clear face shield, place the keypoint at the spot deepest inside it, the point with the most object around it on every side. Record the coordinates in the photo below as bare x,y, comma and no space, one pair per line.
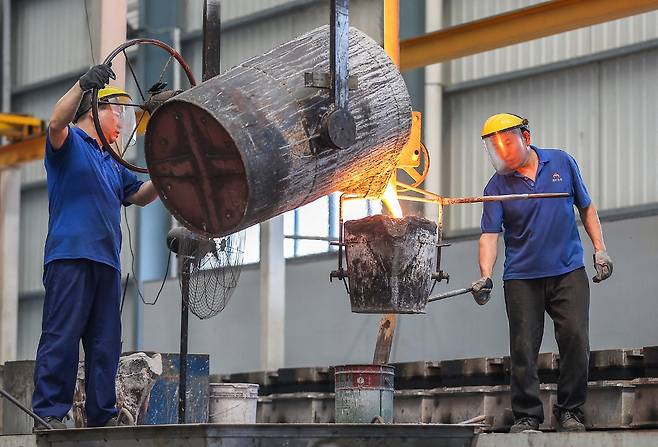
507,150
125,122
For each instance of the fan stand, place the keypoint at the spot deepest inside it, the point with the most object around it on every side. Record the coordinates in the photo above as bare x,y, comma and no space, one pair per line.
184,318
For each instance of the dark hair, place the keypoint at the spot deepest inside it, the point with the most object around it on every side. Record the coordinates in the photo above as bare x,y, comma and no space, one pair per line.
85,106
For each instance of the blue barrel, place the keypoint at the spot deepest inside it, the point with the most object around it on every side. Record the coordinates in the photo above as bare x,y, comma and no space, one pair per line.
364,394
163,401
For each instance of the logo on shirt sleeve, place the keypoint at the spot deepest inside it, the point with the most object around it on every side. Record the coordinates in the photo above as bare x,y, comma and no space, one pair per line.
556,177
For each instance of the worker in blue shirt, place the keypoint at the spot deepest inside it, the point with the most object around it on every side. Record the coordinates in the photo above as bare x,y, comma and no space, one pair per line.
544,268
82,278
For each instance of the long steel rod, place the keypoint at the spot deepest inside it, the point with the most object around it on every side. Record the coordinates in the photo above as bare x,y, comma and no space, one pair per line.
435,198
502,198
450,294
184,318
34,416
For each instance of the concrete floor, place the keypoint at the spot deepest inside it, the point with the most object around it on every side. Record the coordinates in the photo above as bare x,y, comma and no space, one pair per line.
306,435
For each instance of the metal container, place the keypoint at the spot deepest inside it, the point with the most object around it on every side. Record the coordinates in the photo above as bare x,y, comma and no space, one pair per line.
246,145
233,403
609,405
163,401
390,263
364,394
18,380
302,408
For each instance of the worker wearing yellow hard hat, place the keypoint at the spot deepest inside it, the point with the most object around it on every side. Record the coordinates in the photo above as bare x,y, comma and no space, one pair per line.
504,140
118,123
544,267
82,268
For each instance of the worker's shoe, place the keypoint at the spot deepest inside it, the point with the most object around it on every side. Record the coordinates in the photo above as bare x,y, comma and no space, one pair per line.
53,421
525,424
116,422
569,421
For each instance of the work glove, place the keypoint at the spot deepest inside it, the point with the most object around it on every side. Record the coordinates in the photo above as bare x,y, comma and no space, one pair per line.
481,290
603,266
97,77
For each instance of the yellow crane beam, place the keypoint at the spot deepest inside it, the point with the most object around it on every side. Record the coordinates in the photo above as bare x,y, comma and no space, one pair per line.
23,151
521,25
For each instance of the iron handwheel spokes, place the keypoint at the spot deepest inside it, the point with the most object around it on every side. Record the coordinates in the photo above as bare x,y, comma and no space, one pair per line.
150,99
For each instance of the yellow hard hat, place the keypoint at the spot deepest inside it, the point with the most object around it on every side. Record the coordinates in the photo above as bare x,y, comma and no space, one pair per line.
107,94
502,121
111,92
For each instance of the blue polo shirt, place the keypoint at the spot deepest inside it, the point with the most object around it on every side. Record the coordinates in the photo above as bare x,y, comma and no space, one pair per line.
86,188
541,235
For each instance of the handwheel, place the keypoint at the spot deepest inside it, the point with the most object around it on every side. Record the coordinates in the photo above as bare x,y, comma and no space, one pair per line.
150,98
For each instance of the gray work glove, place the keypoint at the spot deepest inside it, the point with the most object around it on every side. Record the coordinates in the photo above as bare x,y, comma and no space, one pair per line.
482,290
603,266
97,77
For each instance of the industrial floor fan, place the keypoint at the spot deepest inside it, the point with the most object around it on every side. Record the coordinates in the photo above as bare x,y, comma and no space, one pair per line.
208,272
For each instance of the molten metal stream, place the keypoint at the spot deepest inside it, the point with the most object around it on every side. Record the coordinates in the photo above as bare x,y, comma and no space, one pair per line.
390,199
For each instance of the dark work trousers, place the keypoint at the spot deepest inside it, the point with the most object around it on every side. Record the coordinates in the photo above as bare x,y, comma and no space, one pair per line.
81,302
566,300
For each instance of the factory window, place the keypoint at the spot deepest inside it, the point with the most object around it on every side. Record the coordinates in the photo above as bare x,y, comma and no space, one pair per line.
310,228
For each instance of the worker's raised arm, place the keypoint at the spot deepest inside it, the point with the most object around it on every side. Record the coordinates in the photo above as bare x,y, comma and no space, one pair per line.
62,115
64,111
488,252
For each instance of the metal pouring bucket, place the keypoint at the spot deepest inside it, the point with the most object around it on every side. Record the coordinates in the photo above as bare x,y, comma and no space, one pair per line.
390,263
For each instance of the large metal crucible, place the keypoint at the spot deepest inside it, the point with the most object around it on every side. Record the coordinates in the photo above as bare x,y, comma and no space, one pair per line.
247,145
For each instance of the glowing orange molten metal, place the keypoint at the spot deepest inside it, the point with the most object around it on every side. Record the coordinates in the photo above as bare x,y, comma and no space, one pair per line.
390,199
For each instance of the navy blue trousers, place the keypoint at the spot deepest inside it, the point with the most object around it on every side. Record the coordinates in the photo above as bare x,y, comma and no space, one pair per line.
81,303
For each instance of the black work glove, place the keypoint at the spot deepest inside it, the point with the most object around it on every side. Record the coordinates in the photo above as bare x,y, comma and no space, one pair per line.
603,266
482,290
97,77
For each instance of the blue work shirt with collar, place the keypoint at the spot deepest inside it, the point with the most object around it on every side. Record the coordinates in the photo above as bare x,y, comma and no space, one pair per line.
86,188
541,235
